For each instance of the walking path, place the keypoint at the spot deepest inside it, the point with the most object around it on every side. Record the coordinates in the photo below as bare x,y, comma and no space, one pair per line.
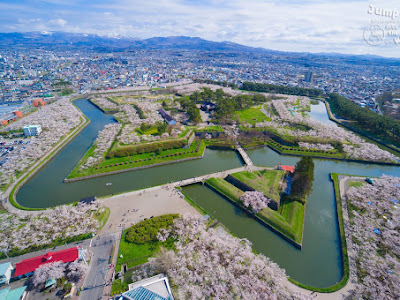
110,274
130,208
244,155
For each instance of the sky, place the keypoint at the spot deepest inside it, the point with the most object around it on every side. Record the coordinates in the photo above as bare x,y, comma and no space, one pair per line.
343,26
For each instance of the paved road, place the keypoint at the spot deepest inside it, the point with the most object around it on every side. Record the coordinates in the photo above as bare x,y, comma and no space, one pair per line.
344,182
95,281
264,111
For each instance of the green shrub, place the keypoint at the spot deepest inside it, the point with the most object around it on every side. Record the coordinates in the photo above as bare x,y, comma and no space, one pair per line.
147,148
146,231
67,287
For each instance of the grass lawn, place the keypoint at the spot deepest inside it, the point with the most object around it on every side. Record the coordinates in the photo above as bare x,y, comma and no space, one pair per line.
138,160
293,212
216,128
120,286
355,184
251,115
290,217
134,255
148,131
102,217
184,133
225,188
266,181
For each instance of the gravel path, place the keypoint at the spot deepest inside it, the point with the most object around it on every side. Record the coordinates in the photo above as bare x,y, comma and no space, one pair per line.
130,208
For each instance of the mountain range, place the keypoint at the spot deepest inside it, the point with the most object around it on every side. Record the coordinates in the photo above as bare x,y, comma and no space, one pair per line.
96,42
70,41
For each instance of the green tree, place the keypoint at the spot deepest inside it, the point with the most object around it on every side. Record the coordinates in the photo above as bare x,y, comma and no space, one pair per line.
161,127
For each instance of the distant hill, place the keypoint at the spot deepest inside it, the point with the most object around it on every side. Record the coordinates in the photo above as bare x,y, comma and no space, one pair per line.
190,43
60,39
91,41
69,41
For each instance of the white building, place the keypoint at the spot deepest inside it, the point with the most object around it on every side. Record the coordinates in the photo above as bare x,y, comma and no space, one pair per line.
5,273
32,130
154,288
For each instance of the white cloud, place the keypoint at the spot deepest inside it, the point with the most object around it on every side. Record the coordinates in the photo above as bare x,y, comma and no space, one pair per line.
58,22
308,25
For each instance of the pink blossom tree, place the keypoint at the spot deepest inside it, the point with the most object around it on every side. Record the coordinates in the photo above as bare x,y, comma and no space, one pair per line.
76,270
47,271
255,199
212,264
375,238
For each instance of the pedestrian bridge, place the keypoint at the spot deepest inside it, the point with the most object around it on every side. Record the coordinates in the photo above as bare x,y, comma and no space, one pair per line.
244,155
222,174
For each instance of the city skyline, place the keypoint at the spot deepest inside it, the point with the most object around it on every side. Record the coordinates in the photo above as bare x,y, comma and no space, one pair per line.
300,26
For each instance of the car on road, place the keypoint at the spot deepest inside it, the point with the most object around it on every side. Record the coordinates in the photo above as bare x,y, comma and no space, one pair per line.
369,180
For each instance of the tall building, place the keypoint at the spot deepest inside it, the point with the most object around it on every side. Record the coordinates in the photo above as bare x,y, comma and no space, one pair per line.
32,130
308,76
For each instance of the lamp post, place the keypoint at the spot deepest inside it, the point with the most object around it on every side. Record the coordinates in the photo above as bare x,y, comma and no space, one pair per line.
4,250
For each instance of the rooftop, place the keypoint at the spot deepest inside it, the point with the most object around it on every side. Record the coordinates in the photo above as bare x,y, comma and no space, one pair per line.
4,267
165,115
31,264
9,294
291,169
153,288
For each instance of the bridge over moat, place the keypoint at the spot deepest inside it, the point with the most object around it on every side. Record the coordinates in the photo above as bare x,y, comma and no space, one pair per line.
244,155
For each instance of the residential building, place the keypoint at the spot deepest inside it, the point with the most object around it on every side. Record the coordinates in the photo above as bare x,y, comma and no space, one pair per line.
167,117
308,76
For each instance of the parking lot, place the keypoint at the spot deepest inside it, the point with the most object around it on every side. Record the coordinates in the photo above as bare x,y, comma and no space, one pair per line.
9,147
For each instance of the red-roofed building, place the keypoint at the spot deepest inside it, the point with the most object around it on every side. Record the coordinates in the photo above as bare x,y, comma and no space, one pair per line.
37,102
18,113
286,168
31,264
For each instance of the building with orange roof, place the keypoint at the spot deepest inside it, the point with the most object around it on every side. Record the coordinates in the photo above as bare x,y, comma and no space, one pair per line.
290,169
37,102
18,113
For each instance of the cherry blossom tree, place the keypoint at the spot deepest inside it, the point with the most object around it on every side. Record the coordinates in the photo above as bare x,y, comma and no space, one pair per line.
26,228
103,142
212,264
255,199
104,103
375,236
56,119
76,270
47,271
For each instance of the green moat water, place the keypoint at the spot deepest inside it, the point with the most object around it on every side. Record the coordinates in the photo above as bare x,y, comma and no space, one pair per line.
46,188
317,264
